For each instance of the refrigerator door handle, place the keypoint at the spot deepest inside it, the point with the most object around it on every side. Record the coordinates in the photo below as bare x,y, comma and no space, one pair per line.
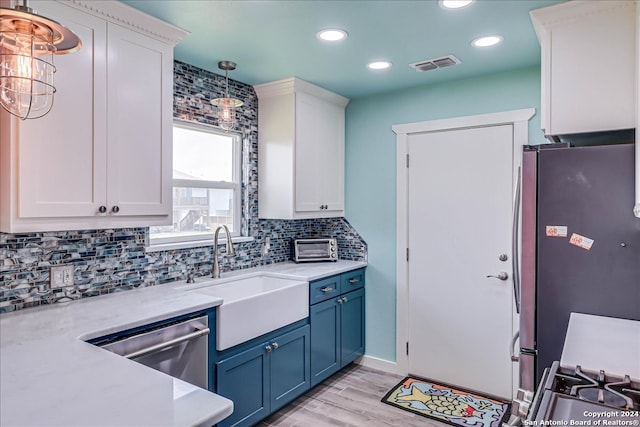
512,350
514,245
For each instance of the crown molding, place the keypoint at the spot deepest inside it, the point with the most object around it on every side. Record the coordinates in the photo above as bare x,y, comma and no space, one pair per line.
294,84
126,16
564,13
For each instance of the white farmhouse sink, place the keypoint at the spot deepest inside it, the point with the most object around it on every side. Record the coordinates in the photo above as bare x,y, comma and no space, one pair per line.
254,305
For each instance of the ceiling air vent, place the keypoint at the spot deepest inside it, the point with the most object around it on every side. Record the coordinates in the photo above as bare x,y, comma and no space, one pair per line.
432,64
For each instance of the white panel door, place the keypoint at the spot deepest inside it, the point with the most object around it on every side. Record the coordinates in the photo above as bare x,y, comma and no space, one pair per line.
460,210
61,162
140,79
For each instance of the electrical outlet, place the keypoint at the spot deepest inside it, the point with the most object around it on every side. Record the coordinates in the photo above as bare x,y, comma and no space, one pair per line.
61,276
267,246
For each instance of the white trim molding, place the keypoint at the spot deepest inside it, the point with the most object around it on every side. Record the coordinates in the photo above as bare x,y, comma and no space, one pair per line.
378,364
519,119
127,16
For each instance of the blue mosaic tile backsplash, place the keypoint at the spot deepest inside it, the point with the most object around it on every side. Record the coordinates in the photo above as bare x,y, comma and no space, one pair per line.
107,261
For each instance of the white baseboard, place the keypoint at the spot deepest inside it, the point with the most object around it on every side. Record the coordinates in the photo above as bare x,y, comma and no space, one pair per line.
379,364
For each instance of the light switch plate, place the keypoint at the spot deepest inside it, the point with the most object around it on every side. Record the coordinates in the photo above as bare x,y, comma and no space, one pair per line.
61,276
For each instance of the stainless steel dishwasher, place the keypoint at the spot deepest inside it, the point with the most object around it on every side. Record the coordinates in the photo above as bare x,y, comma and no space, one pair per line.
179,349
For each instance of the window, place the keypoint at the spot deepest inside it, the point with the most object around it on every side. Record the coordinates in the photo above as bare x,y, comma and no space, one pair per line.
206,184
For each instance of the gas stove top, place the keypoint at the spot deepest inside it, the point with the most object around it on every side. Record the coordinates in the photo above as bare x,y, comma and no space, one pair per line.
581,397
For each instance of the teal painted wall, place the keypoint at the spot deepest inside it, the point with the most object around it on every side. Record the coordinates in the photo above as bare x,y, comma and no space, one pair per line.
371,171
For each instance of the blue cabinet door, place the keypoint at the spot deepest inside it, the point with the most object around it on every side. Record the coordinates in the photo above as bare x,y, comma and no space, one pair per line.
325,340
290,367
244,378
351,327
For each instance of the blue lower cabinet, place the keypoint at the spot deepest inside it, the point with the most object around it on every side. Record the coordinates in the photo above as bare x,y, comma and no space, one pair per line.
290,367
337,327
325,340
265,377
351,327
244,378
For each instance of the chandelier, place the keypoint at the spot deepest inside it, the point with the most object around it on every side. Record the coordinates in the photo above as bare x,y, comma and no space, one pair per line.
27,45
227,105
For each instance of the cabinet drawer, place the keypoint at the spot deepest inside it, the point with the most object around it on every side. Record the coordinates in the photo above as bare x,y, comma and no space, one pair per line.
324,289
352,280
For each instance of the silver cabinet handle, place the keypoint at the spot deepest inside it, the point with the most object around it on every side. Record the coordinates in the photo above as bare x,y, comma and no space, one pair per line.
102,209
326,289
503,275
268,348
275,345
344,299
339,301
162,345
354,280
115,209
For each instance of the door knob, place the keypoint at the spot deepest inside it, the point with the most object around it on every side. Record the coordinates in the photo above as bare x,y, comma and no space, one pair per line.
503,275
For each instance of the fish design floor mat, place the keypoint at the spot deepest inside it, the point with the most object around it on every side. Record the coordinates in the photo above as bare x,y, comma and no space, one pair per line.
449,404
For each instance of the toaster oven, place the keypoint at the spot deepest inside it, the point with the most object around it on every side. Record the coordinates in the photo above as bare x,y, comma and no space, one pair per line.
314,250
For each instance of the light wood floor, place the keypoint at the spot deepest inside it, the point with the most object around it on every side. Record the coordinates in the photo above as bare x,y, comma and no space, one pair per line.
349,398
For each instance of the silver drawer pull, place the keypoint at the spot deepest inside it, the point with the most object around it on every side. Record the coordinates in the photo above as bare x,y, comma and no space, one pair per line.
326,289
275,345
268,348
354,280
154,348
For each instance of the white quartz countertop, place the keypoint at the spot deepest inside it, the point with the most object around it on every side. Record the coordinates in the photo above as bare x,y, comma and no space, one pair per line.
50,377
603,343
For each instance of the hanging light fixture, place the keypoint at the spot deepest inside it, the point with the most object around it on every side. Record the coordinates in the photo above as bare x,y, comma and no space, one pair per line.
27,45
227,105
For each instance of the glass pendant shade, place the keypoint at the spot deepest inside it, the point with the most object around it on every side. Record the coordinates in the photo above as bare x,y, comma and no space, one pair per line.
27,45
227,111
227,105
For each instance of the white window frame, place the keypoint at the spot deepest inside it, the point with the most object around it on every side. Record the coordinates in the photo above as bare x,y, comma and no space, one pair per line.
236,186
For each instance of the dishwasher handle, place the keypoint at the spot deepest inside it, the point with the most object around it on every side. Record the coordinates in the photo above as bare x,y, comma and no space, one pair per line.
163,345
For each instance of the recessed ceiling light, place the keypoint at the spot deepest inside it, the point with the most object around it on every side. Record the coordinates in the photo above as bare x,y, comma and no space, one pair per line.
379,65
455,4
486,41
332,35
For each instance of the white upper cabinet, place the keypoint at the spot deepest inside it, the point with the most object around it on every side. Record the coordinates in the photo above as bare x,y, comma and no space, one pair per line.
300,150
101,158
588,66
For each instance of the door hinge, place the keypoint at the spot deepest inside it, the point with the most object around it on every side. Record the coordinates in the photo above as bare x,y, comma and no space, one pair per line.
407,348
407,160
407,254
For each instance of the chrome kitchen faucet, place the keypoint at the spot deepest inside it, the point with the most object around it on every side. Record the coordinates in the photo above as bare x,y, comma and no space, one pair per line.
215,271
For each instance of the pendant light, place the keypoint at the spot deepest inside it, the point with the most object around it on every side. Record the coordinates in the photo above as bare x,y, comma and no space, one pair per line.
27,45
227,105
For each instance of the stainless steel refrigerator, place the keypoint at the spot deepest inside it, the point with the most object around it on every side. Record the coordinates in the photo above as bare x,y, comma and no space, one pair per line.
580,245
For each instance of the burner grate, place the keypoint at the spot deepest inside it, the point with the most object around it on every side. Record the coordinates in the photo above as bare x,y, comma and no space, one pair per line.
599,388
